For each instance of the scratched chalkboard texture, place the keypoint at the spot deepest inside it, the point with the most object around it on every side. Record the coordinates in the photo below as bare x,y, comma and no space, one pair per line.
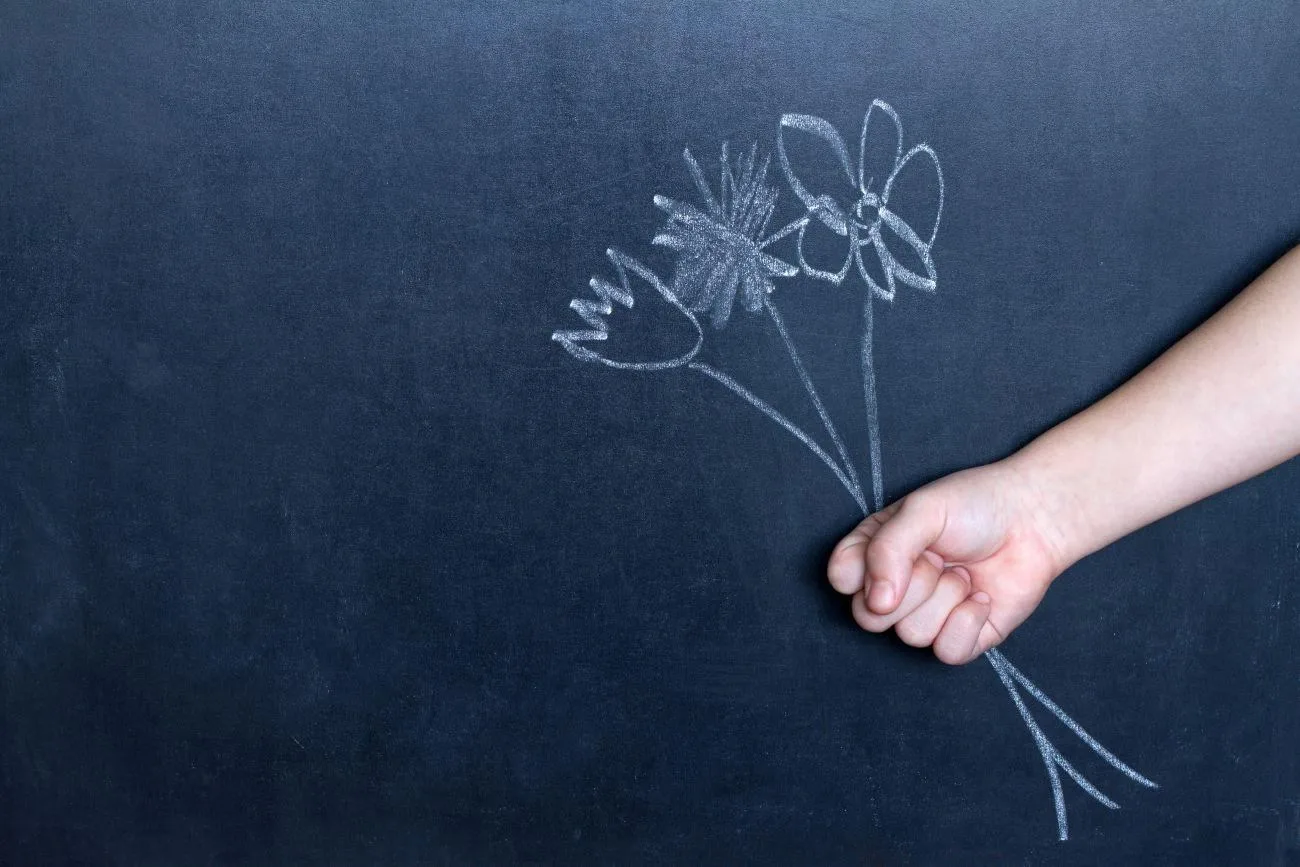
420,441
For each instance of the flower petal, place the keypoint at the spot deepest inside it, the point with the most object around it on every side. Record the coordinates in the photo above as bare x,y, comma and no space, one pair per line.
870,268
754,285
598,313
777,267
824,207
690,278
914,192
880,148
823,240
697,175
887,264
726,276
904,254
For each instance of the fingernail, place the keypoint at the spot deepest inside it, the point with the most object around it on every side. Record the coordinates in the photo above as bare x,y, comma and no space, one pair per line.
981,597
882,595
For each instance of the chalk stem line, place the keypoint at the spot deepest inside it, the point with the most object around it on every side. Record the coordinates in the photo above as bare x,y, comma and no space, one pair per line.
873,410
868,382
1052,758
1010,676
775,415
847,464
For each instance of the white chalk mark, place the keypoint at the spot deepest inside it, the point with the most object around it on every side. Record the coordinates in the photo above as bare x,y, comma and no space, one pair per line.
823,207
784,422
1044,748
792,227
1069,723
1052,757
1083,781
866,182
938,173
697,175
863,220
836,277
720,246
592,312
862,215
816,399
873,411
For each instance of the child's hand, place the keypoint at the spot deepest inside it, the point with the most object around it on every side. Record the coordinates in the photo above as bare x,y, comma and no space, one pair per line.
956,564
961,562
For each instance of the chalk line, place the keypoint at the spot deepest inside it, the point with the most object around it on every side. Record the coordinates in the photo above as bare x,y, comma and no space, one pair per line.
771,412
816,399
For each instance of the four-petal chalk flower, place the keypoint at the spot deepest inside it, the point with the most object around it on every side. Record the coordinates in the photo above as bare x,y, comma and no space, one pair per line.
863,217
859,212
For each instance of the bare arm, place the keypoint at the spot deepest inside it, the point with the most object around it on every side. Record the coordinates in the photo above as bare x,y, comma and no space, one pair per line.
1222,405
961,562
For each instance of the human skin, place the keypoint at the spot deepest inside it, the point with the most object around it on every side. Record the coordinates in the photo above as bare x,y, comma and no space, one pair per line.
958,564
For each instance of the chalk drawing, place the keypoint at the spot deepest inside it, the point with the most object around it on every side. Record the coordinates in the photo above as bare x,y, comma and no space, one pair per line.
722,261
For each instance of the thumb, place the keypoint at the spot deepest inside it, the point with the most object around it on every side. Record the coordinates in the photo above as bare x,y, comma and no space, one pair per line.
894,549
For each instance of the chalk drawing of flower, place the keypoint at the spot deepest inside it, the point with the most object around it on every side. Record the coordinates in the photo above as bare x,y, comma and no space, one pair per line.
861,214
720,256
860,211
720,247
594,313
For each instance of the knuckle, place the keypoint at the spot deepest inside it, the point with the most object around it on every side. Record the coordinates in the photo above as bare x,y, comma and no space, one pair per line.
921,503
915,501
952,584
855,537
966,619
843,574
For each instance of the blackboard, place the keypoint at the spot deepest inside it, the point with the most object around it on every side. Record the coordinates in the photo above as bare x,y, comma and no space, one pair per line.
325,538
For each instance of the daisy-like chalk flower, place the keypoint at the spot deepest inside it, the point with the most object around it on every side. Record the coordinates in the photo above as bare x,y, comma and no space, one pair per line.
720,246
861,211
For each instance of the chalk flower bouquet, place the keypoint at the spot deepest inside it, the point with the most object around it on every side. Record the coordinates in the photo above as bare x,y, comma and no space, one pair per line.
722,246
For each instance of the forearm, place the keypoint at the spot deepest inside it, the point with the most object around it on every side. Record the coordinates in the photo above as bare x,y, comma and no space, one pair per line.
1220,406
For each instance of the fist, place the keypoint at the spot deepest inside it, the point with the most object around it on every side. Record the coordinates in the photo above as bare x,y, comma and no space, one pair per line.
955,565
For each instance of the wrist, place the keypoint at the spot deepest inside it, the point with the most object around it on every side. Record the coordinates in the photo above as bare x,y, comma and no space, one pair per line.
1054,496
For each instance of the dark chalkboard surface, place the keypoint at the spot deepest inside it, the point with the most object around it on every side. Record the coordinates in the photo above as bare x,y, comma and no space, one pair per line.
328,534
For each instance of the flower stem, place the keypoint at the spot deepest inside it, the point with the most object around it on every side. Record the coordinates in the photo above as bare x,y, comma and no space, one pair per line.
816,399
1045,748
873,413
1052,758
771,412
1067,721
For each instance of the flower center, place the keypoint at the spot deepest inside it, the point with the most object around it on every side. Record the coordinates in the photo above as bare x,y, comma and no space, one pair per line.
869,201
